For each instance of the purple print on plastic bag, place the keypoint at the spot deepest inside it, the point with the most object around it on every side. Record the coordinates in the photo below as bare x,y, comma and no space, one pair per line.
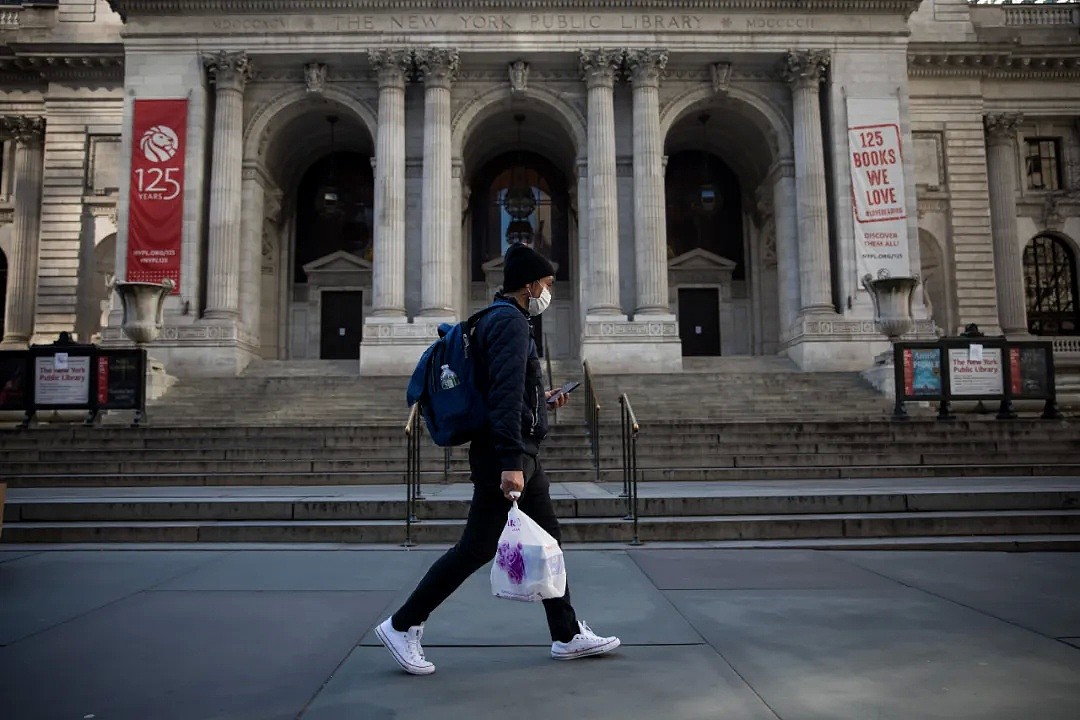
512,562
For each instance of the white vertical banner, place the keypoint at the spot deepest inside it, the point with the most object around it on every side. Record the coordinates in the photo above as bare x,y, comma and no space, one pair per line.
877,187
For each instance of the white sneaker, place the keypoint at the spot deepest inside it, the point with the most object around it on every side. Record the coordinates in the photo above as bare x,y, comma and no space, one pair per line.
584,644
405,647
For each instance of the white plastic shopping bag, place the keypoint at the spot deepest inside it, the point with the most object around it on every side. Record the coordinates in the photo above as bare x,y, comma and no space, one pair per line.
529,563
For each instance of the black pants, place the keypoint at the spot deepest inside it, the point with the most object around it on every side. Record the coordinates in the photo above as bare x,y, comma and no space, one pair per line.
479,542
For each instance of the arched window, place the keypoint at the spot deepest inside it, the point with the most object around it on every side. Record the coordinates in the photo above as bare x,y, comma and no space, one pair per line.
547,228
1050,287
704,208
346,224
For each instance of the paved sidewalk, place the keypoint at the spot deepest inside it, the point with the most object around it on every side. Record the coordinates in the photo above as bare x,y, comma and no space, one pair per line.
199,634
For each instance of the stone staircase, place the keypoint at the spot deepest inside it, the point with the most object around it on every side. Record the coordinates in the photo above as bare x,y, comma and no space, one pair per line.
735,451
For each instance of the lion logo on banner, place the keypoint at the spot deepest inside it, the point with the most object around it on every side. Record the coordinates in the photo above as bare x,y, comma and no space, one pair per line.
159,143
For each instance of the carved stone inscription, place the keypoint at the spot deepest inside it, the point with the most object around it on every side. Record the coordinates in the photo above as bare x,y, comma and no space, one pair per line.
520,23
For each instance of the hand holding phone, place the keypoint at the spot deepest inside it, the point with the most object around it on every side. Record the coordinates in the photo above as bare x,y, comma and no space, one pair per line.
564,390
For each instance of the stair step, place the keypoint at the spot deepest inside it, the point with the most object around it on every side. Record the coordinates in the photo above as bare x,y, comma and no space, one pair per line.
651,529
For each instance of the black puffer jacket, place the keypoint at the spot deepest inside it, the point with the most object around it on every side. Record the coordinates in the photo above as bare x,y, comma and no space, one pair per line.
512,383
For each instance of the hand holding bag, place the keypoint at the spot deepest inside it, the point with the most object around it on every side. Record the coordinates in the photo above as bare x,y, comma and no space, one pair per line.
529,563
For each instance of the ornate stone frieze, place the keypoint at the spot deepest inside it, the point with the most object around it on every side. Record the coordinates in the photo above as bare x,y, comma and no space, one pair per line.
1002,127
721,78
631,331
315,77
437,66
228,69
860,330
995,64
599,67
646,66
518,72
804,67
391,65
87,68
23,129
128,8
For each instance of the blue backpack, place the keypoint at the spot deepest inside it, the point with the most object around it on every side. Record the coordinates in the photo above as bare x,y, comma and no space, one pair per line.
454,415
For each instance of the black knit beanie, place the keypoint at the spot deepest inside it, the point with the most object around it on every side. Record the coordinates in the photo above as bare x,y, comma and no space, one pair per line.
523,265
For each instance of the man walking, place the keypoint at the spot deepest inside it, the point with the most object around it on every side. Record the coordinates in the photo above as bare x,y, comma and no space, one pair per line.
504,463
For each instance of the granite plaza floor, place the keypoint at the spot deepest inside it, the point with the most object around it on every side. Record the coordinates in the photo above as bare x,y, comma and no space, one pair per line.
284,632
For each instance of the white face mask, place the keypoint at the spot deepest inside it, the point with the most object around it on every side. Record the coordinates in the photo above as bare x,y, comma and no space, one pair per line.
538,305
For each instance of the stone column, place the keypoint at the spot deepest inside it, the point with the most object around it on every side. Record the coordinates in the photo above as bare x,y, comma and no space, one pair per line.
650,220
805,70
599,68
787,244
1008,261
29,136
253,194
437,67
388,265
229,72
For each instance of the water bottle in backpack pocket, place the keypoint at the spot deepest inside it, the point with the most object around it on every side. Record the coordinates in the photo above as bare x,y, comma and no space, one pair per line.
444,383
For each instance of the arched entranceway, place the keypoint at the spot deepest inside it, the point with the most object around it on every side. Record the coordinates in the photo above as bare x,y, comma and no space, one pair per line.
315,246
522,151
722,249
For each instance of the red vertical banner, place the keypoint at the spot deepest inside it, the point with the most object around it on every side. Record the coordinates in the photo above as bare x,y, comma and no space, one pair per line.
909,374
103,380
1015,379
156,210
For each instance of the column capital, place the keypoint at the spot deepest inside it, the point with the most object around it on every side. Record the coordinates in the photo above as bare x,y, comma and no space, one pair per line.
437,67
1001,127
598,67
646,66
23,129
391,66
228,69
804,68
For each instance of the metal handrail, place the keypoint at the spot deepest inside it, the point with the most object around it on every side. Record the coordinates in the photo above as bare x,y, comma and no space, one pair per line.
592,417
413,430
630,430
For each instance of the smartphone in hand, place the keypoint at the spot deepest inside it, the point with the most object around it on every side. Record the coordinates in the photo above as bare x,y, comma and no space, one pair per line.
564,390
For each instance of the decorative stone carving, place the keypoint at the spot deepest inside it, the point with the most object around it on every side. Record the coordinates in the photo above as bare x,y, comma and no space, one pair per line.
598,67
315,77
518,72
767,225
804,67
1052,219
1001,127
437,67
721,78
391,65
646,66
228,69
23,129
267,251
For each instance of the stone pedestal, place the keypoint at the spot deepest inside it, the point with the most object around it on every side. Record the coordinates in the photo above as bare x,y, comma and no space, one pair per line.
614,346
392,348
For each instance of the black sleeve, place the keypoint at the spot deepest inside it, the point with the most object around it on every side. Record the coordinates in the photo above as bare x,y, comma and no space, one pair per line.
506,347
